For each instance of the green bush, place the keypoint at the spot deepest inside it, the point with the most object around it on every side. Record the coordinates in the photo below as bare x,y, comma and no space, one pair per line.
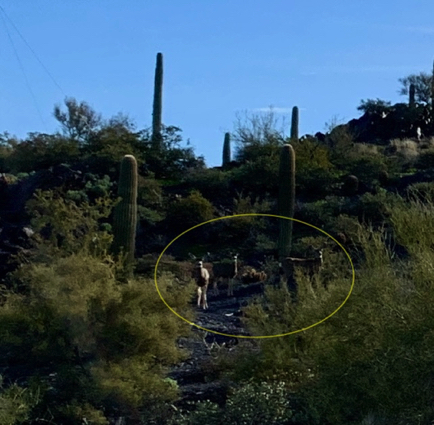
150,192
41,151
7,146
374,356
259,176
180,269
423,191
425,160
215,183
98,187
103,346
168,160
16,403
259,404
67,226
367,168
251,404
403,153
189,211
322,212
375,208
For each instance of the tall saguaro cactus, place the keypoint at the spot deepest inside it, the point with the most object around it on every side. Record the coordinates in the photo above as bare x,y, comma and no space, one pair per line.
294,124
432,100
411,101
158,101
226,150
125,214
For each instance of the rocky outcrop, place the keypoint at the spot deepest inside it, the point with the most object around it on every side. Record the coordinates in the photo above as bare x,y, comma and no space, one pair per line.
397,121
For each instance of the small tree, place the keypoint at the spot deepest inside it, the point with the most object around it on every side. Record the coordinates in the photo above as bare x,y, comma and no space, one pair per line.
422,86
254,134
168,159
79,121
374,106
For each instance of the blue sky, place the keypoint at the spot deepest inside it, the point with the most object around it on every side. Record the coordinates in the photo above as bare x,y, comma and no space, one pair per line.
220,57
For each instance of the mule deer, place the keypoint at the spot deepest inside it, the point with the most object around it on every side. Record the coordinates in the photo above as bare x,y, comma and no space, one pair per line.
225,272
312,265
202,281
236,273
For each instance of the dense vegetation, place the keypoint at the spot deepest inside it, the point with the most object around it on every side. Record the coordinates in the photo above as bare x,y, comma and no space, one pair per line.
78,344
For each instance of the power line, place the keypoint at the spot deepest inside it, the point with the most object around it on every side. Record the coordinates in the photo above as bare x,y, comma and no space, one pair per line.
24,73
36,56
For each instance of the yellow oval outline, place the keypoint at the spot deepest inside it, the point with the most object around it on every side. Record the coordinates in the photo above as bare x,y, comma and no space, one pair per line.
260,336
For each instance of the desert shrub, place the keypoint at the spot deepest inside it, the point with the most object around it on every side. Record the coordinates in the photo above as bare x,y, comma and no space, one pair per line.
63,225
259,404
206,412
316,184
314,172
41,151
258,176
322,212
189,211
365,149
95,187
241,232
149,192
99,343
362,160
406,146
98,187
411,216
112,141
341,144
78,196
7,145
148,216
375,208
75,412
313,167
425,160
423,191
16,403
168,160
374,355
250,404
367,168
426,143
215,183
180,269
150,211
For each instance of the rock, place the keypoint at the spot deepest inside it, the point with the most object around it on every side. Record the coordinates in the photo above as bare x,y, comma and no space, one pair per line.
399,121
320,136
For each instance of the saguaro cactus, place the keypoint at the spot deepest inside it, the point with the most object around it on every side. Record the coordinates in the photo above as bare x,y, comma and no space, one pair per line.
158,100
432,99
294,124
227,150
125,214
411,101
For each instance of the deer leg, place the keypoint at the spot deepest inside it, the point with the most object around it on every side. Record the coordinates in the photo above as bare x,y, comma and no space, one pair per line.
230,287
215,288
205,304
199,295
